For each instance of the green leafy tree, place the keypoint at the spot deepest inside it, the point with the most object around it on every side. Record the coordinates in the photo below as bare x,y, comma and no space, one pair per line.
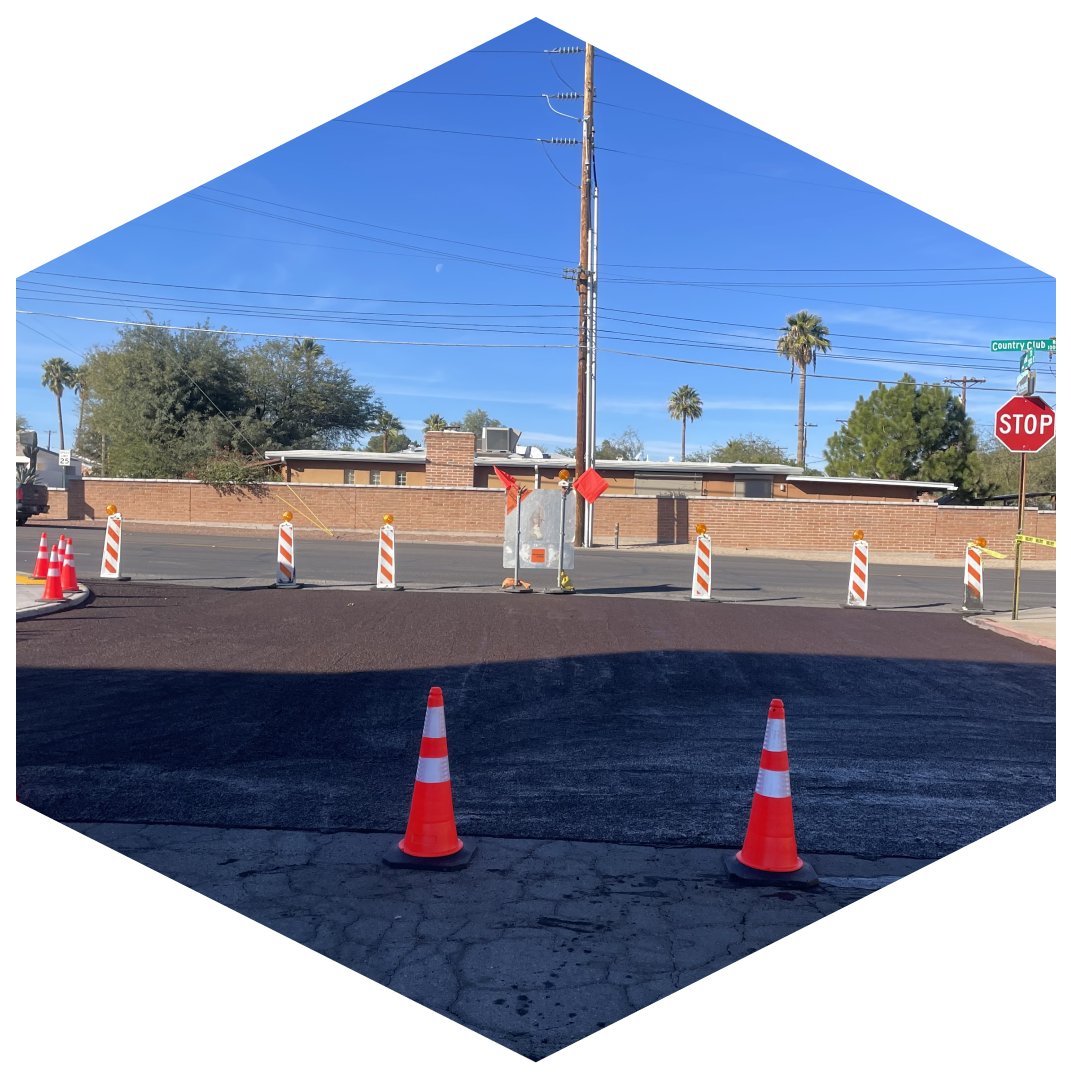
684,405
802,338
435,422
57,375
21,423
475,420
995,471
750,449
628,446
165,402
906,432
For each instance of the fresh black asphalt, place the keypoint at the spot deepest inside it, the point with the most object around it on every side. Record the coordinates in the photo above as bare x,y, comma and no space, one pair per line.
584,717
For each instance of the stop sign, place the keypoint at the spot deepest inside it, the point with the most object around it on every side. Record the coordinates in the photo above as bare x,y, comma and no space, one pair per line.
1025,424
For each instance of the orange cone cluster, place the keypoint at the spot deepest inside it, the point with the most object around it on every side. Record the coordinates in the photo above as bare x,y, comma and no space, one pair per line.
57,568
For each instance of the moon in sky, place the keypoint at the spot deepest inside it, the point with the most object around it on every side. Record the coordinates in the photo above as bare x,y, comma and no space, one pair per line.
438,267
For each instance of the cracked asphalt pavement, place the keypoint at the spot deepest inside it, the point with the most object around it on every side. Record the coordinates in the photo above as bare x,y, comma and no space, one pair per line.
259,746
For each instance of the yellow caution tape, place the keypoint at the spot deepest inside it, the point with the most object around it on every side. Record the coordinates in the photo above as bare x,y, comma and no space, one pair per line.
989,551
1021,539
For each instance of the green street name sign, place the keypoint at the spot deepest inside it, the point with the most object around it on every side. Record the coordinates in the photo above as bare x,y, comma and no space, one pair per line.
1023,345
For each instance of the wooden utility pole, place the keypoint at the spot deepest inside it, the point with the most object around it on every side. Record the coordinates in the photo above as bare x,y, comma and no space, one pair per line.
582,278
962,384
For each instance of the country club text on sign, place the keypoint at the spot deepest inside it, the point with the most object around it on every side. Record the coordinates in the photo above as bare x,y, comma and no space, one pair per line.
1038,344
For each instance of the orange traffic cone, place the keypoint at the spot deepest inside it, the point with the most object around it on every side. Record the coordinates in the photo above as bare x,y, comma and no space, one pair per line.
53,588
68,576
769,854
40,568
431,841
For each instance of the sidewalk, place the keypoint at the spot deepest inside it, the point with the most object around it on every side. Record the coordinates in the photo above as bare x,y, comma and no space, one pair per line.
28,598
1037,626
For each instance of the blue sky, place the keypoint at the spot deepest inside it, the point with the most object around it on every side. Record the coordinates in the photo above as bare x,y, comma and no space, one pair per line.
711,232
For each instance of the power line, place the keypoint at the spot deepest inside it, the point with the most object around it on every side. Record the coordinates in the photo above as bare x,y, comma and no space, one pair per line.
464,345
459,303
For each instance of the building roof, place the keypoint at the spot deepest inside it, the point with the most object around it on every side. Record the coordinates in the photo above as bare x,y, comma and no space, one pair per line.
661,469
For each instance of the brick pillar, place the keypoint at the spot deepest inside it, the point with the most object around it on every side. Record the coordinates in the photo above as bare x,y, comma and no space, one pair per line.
451,458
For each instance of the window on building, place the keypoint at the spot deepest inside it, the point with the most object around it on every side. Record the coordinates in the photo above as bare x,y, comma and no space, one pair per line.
347,476
753,489
373,478
399,479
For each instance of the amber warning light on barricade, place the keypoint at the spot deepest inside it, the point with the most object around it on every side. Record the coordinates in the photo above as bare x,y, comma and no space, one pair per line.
388,519
287,516
858,534
111,508
563,474
700,528
979,541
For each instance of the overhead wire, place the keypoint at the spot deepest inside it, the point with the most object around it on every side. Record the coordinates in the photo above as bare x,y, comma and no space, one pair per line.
466,345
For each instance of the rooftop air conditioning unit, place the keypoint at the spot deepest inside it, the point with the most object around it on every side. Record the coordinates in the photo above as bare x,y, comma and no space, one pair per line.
501,439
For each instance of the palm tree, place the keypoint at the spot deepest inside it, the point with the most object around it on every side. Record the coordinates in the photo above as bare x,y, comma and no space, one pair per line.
57,376
802,338
685,405
435,422
79,384
388,425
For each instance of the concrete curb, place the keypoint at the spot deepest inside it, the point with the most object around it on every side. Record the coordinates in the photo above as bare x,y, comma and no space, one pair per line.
1011,631
75,600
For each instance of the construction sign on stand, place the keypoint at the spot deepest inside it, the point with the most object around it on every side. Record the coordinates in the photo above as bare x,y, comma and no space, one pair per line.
540,529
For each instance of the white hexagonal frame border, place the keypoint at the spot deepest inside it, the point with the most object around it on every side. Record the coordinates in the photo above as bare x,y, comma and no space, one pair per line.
316,960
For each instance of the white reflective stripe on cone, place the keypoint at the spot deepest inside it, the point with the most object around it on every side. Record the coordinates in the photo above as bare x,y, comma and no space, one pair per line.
435,722
433,770
775,735
774,785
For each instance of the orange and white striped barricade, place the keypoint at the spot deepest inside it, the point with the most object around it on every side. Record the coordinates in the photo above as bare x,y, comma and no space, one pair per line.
859,573
285,565
701,569
113,547
972,578
387,563
431,841
769,853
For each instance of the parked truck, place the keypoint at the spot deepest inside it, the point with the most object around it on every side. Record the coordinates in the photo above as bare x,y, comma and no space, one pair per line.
30,497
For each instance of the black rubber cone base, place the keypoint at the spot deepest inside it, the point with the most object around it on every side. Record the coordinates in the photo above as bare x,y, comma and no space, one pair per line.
398,860
287,585
803,878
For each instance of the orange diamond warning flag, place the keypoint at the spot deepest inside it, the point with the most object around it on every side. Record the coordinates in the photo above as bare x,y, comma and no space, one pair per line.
511,497
507,480
591,485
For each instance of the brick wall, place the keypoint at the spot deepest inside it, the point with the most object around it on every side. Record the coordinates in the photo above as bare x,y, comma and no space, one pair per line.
451,458
786,524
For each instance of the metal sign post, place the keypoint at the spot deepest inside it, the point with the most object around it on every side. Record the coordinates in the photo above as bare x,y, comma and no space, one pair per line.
517,586
1019,533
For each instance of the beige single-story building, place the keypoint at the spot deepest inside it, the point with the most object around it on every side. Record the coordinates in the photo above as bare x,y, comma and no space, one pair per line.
450,459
